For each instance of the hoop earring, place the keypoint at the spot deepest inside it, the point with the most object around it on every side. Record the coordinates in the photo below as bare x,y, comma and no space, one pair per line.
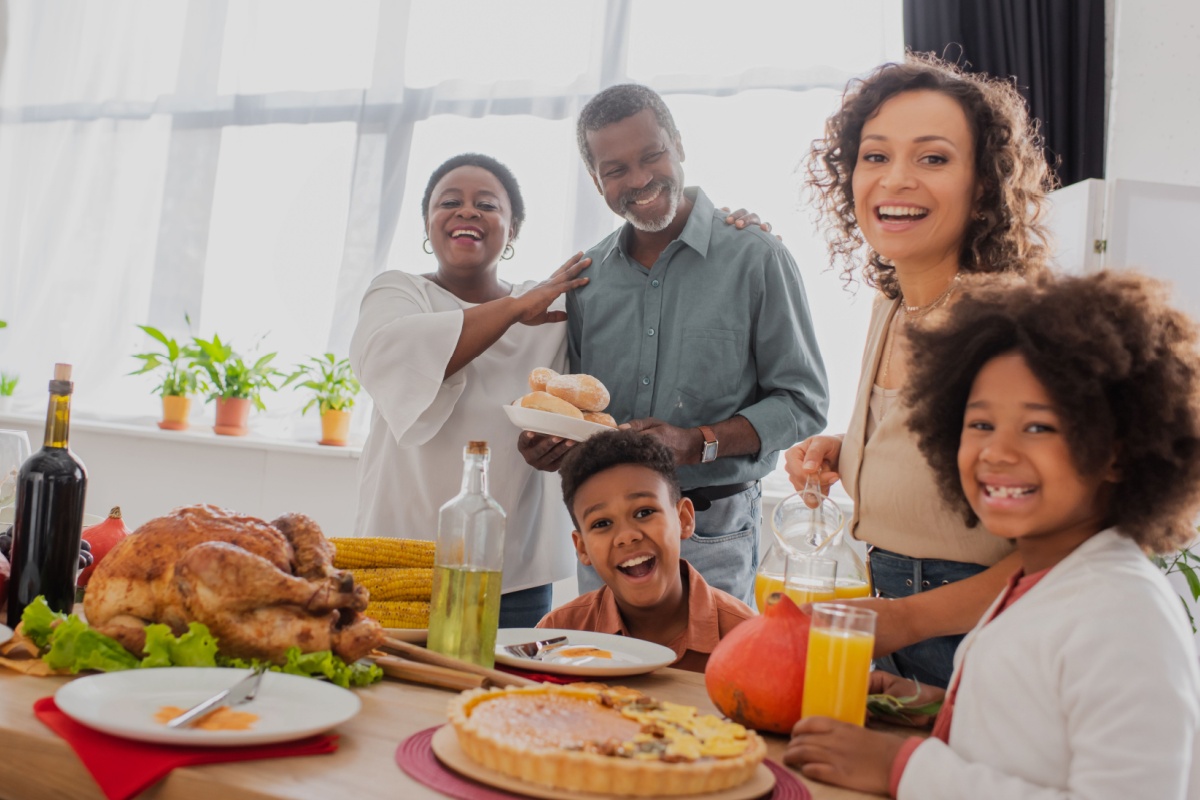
426,246
509,252
982,217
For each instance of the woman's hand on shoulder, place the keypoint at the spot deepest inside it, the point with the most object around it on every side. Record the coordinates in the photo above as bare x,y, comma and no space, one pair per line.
815,454
533,306
742,219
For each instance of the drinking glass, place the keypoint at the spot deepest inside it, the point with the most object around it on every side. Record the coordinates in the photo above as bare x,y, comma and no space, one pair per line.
807,579
14,449
808,523
840,643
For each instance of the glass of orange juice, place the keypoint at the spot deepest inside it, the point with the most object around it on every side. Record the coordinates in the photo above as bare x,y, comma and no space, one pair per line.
841,640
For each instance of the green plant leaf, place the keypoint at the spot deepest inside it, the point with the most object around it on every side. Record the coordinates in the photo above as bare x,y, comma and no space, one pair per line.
1193,581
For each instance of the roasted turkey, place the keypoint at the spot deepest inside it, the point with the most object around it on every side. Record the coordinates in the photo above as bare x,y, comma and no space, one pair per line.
260,588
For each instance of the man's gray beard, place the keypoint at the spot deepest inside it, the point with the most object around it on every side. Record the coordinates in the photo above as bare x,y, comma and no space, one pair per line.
675,194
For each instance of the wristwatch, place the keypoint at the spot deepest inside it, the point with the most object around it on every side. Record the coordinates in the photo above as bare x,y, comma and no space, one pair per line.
709,451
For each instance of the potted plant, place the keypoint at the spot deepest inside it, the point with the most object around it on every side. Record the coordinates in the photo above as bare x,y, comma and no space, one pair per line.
333,386
179,380
226,378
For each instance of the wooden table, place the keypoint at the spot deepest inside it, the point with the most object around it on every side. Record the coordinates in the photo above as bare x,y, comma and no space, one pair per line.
35,763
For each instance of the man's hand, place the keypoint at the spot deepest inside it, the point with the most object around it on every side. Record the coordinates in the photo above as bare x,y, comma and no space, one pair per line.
685,443
543,452
843,754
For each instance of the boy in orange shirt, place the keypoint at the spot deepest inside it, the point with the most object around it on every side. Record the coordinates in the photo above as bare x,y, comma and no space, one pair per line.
621,491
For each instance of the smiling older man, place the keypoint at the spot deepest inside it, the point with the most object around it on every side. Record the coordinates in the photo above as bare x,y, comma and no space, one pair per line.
701,332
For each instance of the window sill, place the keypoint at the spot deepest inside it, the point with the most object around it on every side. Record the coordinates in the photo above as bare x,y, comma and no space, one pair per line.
198,434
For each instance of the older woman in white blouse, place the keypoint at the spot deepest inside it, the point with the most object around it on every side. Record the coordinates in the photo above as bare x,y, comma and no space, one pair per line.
440,354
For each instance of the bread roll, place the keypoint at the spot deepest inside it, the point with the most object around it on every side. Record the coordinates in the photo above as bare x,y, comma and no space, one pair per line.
600,418
540,377
582,391
548,402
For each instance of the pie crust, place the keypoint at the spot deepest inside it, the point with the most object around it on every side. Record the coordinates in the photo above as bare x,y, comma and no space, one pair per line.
592,738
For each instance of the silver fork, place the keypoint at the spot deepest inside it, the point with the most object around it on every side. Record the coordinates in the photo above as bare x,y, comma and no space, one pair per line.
535,650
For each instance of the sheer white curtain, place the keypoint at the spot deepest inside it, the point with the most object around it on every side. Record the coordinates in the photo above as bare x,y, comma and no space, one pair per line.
254,163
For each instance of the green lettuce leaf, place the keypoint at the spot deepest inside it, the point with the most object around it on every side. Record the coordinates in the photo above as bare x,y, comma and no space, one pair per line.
75,646
196,648
321,664
38,621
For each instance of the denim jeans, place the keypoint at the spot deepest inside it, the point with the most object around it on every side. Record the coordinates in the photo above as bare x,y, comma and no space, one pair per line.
525,608
932,661
724,548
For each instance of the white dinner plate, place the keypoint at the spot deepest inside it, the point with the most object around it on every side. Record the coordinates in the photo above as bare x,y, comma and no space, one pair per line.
410,635
6,633
630,656
531,419
124,704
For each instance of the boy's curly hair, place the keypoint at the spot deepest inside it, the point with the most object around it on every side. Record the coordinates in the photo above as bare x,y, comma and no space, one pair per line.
1121,366
1009,164
612,449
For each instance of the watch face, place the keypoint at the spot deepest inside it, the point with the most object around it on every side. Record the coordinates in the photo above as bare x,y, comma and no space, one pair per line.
710,452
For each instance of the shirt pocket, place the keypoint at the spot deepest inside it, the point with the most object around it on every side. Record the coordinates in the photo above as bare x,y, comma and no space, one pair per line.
714,362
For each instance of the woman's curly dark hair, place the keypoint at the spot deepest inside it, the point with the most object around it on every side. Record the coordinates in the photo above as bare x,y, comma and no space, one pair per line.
1009,164
1121,366
612,449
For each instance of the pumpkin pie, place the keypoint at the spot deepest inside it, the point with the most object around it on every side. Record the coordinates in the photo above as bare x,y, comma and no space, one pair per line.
590,737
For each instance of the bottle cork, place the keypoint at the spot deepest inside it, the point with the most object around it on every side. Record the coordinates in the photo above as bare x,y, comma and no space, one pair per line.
62,372
477,448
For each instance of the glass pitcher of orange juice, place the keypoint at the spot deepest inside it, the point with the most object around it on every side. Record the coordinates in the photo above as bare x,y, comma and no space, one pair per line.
808,523
805,579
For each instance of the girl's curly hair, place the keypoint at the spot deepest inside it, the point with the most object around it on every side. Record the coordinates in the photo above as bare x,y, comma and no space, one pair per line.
1121,366
1009,164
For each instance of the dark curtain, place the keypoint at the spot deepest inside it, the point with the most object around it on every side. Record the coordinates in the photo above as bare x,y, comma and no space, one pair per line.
1054,49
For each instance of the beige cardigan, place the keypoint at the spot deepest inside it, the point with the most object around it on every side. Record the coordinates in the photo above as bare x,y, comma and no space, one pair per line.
896,502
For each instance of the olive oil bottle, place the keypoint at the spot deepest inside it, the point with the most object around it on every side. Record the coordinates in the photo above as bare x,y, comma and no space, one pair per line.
468,565
48,522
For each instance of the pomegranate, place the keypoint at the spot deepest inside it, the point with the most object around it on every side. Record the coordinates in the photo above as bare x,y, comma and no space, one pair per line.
755,676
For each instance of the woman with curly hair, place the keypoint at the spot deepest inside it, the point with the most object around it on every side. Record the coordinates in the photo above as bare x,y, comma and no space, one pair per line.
1063,416
932,173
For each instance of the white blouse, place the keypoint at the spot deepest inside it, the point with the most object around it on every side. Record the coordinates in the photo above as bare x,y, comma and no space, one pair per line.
412,461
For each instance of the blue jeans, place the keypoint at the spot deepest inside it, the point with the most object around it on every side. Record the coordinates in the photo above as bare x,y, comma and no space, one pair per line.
724,548
932,661
525,608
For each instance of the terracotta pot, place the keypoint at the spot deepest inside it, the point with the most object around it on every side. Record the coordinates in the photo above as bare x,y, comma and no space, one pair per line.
175,412
335,426
232,413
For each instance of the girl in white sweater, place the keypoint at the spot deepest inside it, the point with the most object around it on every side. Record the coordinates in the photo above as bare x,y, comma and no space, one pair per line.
1064,416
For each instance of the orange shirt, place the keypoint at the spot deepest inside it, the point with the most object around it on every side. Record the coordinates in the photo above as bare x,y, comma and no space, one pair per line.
711,614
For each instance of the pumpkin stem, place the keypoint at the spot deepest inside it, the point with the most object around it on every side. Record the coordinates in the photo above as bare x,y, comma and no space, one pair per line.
115,513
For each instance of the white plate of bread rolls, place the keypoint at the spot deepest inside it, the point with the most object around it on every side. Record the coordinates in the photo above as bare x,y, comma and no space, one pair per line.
570,406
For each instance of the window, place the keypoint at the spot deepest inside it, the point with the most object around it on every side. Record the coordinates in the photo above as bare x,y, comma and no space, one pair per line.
254,164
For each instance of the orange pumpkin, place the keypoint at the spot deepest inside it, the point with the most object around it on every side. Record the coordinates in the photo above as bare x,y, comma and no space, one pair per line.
103,536
755,676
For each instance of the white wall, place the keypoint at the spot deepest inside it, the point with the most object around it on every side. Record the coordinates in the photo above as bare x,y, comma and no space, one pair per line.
1154,104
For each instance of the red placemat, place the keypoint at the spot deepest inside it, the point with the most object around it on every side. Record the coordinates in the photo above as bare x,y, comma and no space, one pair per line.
123,767
415,756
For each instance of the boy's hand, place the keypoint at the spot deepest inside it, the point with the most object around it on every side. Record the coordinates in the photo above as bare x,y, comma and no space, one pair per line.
843,754
543,452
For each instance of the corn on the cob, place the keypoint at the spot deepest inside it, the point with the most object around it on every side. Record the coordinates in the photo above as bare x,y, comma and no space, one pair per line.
380,551
400,613
396,583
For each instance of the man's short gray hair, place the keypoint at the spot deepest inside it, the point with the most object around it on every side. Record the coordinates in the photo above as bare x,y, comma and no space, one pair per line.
615,104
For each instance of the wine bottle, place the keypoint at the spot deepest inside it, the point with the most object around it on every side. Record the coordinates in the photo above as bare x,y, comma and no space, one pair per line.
468,564
48,523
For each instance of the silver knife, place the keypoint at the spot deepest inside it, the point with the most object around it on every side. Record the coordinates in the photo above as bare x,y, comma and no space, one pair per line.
240,692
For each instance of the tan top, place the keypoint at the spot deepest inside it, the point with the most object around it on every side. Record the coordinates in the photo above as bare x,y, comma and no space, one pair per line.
711,614
896,501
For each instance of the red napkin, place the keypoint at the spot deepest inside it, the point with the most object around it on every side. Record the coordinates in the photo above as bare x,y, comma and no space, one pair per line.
123,767
542,677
